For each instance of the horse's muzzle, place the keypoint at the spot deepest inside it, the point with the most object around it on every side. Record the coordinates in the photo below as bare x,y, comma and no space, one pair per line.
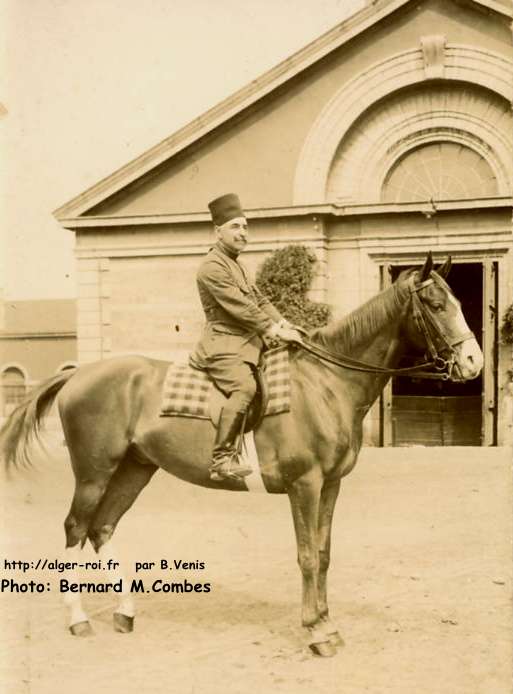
469,361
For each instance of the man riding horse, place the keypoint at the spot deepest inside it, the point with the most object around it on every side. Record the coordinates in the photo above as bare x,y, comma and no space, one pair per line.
240,321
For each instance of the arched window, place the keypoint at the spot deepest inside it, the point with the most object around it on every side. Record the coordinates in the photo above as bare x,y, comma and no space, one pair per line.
440,171
13,388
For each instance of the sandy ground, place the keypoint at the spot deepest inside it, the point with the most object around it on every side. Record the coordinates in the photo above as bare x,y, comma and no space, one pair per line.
420,586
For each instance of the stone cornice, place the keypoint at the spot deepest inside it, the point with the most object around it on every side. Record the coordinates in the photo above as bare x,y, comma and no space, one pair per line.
94,223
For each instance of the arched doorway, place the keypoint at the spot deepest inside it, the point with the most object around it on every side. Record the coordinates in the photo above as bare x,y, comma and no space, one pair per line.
414,150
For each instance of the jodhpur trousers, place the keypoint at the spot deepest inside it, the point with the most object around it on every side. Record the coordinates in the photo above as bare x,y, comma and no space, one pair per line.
235,378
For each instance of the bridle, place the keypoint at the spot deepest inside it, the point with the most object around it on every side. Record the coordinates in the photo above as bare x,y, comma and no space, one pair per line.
437,343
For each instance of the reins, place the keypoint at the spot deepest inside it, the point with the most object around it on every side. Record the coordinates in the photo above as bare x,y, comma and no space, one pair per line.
426,324
357,365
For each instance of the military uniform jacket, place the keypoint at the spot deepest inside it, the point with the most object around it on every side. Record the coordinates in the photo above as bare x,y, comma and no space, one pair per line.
236,312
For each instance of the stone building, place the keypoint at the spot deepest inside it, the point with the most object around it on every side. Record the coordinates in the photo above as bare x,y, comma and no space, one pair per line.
37,340
388,136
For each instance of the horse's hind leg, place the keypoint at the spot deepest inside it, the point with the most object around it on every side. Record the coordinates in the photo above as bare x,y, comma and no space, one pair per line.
129,479
78,620
88,492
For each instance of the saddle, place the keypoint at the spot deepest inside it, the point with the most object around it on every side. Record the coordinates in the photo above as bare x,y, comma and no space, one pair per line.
190,392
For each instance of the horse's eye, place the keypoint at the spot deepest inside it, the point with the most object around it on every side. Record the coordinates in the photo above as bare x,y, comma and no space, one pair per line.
437,308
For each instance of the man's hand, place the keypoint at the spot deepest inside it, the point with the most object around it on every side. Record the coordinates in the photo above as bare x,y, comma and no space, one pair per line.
289,335
284,323
279,332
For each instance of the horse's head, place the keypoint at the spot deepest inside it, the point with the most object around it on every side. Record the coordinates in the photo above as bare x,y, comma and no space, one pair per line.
436,323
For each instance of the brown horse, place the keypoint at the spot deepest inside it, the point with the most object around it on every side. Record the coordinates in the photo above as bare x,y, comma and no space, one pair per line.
116,439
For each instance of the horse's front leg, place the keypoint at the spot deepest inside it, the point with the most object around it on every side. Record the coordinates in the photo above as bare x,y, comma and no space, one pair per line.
304,495
329,495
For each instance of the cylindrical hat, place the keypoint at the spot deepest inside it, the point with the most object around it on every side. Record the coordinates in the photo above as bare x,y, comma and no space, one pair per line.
225,208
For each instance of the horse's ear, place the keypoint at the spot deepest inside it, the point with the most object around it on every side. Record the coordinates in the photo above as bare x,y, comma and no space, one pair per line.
426,270
444,269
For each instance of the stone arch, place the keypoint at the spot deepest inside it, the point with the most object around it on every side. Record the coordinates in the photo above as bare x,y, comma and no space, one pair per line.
452,62
469,117
14,365
13,382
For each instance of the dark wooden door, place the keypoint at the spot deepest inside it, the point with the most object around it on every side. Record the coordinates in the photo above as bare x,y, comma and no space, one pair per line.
434,413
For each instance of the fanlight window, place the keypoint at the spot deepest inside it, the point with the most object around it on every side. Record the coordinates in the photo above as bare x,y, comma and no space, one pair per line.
13,388
439,171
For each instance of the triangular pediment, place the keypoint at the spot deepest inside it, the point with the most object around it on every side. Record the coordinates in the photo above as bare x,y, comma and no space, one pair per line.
143,186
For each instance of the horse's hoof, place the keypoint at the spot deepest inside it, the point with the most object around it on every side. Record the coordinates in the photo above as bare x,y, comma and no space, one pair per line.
335,639
325,649
81,629
122,623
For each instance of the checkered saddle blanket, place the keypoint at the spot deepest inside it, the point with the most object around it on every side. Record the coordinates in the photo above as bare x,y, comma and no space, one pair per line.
187,392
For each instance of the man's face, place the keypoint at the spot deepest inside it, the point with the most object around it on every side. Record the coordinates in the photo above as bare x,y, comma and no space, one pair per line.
233,234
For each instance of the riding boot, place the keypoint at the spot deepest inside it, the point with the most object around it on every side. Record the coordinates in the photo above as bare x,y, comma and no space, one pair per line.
225,455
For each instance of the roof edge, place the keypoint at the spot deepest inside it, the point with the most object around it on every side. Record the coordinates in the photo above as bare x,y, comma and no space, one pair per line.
253,91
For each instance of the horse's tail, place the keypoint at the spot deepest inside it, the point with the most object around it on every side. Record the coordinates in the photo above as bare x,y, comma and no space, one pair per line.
24,423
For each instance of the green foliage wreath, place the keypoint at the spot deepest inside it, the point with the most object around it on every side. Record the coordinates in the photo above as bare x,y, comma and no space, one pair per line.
285,278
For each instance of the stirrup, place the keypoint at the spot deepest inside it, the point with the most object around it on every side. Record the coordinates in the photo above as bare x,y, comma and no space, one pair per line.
229,468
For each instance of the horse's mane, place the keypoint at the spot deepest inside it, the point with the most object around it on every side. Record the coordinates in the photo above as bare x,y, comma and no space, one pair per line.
364,322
